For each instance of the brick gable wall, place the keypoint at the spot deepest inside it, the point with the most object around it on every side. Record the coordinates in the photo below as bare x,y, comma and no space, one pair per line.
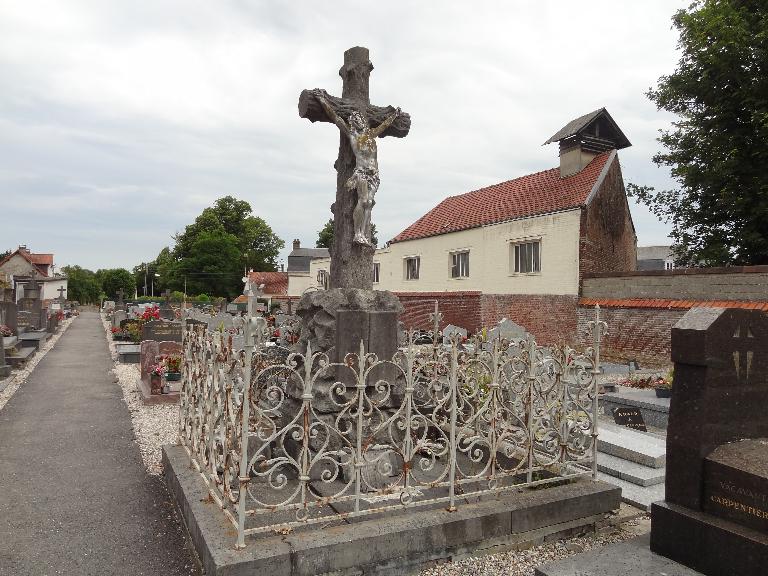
607,241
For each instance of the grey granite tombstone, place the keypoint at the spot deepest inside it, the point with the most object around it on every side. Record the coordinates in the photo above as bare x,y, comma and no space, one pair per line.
5,369
8,311
23,322
158,330
507,330
714,515
222,320
450,330
118,317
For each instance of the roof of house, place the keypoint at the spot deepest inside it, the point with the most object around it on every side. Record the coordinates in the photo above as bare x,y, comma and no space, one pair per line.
311,252
540,193
654,252
39,261
43,259
275,283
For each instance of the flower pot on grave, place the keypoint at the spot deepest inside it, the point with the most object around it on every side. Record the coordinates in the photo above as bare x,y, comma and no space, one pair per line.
173,376
155,384
663,392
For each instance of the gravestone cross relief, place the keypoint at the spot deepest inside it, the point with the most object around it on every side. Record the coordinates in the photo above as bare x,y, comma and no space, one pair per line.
360,123
61,291
743,351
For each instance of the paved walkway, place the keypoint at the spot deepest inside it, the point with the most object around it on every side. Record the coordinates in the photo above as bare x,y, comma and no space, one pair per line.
74,496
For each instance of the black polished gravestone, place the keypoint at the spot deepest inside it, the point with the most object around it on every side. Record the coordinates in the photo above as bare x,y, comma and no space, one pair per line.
161,331
715,515
629,417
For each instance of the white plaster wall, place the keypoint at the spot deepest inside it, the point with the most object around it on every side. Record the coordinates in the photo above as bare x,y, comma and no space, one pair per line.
51,289
299,281
490,269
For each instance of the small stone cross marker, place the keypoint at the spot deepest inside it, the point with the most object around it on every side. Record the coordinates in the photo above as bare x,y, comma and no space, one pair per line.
167,295
61,293
120,294
357,165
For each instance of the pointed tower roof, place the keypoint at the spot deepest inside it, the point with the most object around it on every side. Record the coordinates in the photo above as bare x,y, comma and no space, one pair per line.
595,126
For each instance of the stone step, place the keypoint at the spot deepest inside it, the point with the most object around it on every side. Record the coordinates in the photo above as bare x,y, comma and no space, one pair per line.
20,356
630,471
639,496
632,445
10,342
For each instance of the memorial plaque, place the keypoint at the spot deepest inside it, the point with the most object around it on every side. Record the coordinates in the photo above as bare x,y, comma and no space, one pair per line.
736,483
160,330
629,417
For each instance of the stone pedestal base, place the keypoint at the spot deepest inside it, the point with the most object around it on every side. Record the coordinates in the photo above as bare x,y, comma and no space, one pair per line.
713,546
334,321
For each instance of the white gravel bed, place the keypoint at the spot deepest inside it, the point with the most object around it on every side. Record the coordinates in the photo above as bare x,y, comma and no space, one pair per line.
523,562
18,378
153,425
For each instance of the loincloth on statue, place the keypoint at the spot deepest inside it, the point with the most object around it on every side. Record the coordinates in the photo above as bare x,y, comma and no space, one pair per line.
368,175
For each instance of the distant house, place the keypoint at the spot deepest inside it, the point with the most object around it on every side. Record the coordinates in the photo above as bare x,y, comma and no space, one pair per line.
518,249
655,258
22,265
273,286
299,262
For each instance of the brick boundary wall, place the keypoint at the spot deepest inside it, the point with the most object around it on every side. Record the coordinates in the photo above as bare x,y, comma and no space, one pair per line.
550,318
458,308
642,334
739,283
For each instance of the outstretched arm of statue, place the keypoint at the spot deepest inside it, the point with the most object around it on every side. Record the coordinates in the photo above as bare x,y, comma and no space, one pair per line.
386,124
331,112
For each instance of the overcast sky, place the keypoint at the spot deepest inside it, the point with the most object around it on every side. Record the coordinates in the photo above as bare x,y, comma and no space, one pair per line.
121,121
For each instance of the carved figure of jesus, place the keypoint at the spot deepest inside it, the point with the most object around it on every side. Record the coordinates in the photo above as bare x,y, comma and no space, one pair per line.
365,178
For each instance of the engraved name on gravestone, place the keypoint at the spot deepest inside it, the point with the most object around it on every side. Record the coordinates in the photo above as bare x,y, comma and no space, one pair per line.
159,330
629,417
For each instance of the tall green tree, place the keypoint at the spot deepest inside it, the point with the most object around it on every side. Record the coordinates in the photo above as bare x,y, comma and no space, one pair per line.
113,279
325,236
82,285
259,246
213,265
718,148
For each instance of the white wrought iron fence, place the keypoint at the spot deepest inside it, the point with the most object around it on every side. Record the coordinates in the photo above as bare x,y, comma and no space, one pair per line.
308,439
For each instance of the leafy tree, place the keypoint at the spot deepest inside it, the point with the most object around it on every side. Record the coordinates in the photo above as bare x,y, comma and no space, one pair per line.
258,245
82,285
113,279
5,254
325,236
718,149
213,264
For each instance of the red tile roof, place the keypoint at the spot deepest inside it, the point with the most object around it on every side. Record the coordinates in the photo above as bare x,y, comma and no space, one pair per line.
43,259
275,283
539,193
670,304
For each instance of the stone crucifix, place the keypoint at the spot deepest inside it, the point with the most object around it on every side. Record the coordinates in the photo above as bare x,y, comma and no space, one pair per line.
357,167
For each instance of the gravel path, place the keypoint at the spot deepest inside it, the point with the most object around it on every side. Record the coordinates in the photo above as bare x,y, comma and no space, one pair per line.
154,425
523,562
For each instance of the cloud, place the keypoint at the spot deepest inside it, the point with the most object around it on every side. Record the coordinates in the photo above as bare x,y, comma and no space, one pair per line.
120,122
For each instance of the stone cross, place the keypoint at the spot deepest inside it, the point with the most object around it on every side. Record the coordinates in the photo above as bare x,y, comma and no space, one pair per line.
167,295
743,352
61,293
120,294
351,254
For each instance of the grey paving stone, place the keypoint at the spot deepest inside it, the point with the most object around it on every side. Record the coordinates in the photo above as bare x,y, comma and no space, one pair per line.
632,445
630,471
630,558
